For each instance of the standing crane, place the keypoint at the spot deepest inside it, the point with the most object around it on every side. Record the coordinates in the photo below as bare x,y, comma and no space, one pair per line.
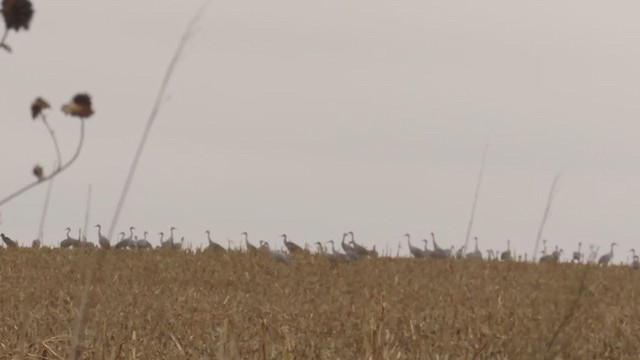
7,241
506,255
416,252
293,248
250,248
577,255
476,254
438,252
102,240
122,242
606,258
212,245
69,241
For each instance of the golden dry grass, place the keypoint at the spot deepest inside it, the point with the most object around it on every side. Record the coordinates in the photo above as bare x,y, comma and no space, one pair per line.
175,305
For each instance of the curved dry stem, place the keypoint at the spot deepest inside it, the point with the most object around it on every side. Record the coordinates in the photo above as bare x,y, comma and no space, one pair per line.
3,43
45,209
77,337
54,139
154,112
53,174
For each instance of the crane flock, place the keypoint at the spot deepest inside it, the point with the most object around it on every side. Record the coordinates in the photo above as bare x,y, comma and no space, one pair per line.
351,250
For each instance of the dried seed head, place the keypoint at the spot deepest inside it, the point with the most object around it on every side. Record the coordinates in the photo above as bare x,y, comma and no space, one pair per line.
79,106
17,14
38,105
38,172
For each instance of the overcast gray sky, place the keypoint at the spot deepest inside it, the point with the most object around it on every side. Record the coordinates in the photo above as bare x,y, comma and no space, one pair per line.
314,118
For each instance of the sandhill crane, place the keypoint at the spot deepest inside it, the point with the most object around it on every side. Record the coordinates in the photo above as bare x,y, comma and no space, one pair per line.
490,254
577,255
212,245
340,257
164,244
36,244
69,241
143,243
178,246
280,256
7,241
606,258
636,262
127,242
554,257
438,253
348,249
102,240
250,248
291,247
263,245
359,249
506,255
427,253
477,254
321,250
122,242
460,252
416,252
170,239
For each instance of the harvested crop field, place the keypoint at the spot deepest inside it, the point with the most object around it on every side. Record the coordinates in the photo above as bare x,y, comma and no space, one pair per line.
174,304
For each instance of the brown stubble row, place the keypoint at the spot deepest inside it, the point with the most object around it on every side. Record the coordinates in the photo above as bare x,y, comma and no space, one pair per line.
170,305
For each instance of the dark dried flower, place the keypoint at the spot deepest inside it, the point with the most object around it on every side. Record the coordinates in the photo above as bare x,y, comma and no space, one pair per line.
38,172
17,14
79,106
38,105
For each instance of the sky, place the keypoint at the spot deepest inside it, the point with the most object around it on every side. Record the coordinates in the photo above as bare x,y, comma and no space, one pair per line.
318,118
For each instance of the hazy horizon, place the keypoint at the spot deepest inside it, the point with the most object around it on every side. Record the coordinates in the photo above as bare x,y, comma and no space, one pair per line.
315,119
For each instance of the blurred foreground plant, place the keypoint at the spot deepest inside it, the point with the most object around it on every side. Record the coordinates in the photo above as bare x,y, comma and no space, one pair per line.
80,106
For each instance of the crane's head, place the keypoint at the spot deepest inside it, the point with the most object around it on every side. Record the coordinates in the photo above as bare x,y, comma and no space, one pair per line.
330,241
173,228
351,233
207,232
146,233
244,233
98,226
131,228
68,229
614,244
284,236
160,233
407,235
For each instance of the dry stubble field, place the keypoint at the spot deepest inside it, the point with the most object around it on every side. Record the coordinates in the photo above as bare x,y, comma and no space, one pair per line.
175,305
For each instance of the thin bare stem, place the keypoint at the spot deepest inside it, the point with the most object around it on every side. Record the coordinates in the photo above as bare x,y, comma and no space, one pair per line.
81,320
53,174
3,43
154,112
547,209
45,210
475,200
53,138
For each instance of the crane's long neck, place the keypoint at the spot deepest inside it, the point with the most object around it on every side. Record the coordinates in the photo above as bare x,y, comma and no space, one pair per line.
476,239
68,231
209,236
333,247
246,237
99,232
408,239
161,237
131,233
611,252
